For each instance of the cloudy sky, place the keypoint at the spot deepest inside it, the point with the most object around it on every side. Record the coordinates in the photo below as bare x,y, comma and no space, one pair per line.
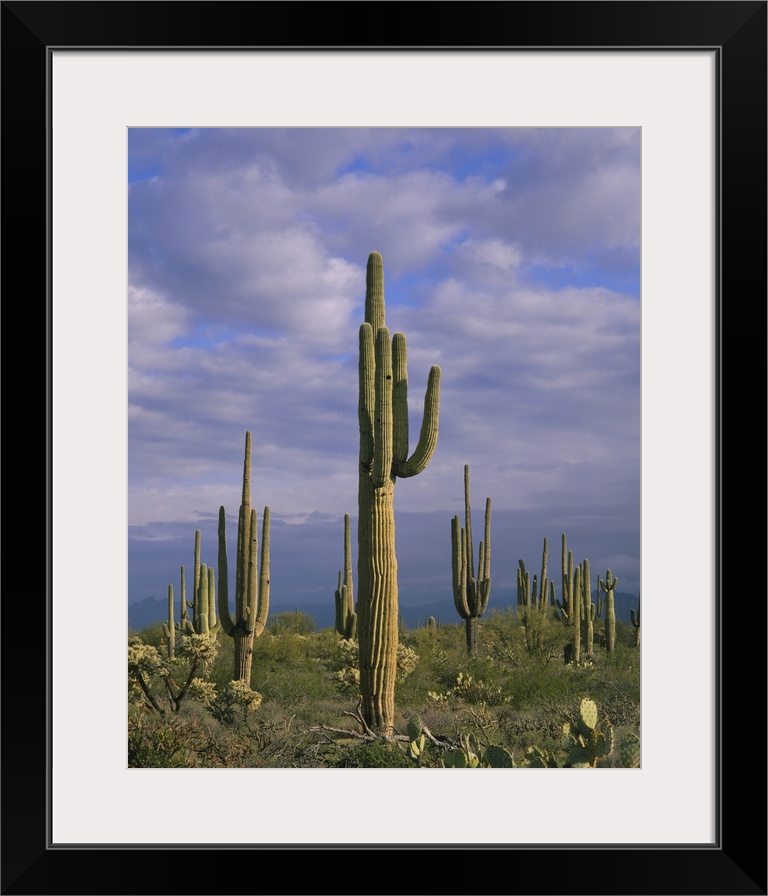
511,259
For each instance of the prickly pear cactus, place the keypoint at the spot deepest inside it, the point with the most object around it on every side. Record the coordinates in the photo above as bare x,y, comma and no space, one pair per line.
498,757
417,739
588,739
535,757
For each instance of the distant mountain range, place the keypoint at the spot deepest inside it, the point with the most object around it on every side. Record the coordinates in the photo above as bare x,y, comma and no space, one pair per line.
151,611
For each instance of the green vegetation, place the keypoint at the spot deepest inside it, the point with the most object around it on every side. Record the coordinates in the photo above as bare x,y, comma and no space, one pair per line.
505,706
532,692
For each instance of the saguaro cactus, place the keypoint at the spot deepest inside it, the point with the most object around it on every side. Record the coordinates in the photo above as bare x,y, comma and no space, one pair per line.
185,604
346,617
533,601
251,585
169,629
587,607
383,421
636,622
607,586
196,591
470,592
576,606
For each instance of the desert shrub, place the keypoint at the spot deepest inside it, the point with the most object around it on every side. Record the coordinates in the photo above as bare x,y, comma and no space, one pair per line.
375,754
297,622
158,742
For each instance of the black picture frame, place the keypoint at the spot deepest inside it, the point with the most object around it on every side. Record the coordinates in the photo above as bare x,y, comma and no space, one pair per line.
736,863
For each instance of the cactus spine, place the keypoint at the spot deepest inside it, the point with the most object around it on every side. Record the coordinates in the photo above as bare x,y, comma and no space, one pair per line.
251,583
470,593
383,422
346,617
608,587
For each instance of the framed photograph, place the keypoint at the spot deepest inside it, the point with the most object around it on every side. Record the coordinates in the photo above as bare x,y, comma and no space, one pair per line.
678,87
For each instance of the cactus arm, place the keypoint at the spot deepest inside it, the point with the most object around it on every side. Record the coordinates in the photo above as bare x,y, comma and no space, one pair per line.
427,443
169,629
348,582
382,424
183,614
459,568
399,400
223,596
543,588
484,570
468,526
485,574
211,598
259,617
367,400
340,608
252,582
201,621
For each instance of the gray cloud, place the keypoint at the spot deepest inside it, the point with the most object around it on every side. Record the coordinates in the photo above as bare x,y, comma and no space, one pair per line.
506,257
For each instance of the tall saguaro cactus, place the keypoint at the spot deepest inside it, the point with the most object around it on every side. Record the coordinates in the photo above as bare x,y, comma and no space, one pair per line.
470,592
251,584
383,421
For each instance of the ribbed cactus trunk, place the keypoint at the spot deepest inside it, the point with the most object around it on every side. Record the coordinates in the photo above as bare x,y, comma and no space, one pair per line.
383,421
378,594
